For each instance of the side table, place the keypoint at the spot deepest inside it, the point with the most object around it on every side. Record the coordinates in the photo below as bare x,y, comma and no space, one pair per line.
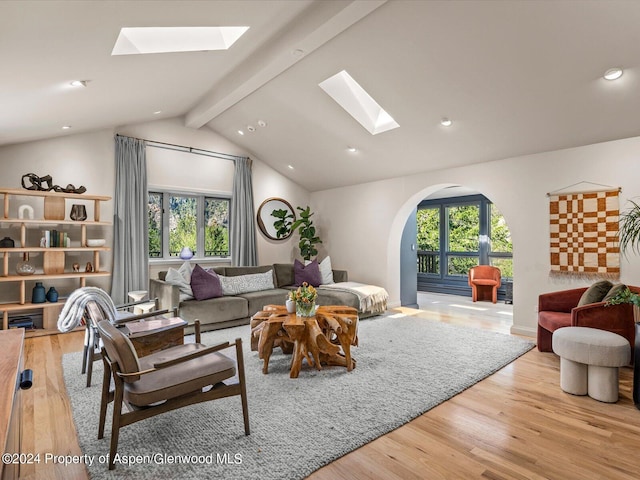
155,334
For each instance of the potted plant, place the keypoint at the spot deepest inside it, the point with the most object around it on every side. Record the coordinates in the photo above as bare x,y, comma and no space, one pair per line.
629,230
629,237
308,237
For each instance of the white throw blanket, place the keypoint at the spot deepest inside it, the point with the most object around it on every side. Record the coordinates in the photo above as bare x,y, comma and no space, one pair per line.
73,309
372,299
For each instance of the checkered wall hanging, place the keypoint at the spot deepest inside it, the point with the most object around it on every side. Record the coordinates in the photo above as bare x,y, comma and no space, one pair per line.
584,234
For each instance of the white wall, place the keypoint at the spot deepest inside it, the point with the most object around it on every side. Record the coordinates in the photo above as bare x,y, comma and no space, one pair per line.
266,181
88,159
83,159
362,225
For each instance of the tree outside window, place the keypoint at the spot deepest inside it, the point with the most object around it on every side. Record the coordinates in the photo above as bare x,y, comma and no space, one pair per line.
184,220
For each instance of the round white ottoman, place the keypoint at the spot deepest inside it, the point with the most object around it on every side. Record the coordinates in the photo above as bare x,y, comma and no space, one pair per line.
589,361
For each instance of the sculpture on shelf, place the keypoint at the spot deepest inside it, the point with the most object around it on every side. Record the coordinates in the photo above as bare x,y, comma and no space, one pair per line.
37,184
89,268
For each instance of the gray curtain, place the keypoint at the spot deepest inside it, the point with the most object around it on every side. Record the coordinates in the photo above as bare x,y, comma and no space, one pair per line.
243,229
130,228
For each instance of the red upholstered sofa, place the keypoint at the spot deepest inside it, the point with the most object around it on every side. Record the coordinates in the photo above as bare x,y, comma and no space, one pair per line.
559,309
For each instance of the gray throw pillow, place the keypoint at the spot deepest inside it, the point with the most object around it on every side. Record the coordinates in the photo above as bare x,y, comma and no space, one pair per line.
254,282
595,293
615,290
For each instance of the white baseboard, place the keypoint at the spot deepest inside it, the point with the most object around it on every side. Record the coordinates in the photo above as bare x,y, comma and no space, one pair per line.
524,331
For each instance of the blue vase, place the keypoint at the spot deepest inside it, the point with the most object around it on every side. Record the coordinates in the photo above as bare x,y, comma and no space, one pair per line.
38,295
52,295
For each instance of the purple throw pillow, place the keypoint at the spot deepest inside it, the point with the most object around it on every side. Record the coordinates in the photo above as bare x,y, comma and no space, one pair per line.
205,283
307,273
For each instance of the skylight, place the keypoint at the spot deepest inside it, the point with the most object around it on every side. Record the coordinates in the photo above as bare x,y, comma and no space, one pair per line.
358,103
139,40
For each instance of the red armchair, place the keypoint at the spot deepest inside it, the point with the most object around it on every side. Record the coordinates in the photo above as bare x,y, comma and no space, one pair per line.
559,309
483,277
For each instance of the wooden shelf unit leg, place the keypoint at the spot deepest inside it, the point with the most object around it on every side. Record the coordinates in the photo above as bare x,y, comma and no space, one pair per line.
6,205
83,235
96,210
5,319
96,261
23,293
5,264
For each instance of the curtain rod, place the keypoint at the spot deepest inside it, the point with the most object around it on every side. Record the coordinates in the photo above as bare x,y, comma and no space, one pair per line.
195,151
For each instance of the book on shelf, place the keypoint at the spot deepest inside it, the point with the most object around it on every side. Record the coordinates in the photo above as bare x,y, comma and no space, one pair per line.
55,239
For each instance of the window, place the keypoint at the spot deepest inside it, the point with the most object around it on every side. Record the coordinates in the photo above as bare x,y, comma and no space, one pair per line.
463,238
455,234
197,221
428,240
501,249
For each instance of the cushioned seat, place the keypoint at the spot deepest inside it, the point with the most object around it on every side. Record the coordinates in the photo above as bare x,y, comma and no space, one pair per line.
484,277
178,379
589,361
576,308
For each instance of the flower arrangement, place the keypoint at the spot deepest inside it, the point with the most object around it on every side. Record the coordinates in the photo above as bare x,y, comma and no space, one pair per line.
305,298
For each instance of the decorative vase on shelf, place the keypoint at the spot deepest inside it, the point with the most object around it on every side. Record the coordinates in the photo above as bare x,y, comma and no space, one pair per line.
38,295
78,213
305,309
291,306
186,253
7,242
52,295
24,267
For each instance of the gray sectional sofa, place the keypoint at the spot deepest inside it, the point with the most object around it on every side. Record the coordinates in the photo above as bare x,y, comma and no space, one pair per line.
232,310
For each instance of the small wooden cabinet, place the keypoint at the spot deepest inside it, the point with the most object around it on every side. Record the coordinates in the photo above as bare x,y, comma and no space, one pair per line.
11,366
57,205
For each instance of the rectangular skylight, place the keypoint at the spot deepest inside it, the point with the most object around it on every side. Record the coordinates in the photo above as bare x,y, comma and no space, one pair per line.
139,40
358,103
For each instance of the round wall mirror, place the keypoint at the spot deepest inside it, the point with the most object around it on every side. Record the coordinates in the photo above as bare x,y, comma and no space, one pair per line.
276,227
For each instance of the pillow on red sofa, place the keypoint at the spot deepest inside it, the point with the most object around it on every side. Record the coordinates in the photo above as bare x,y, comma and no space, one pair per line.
205,283
595,293
615,290
307,273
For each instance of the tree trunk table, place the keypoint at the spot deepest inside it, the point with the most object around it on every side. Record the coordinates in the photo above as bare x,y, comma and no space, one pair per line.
325,338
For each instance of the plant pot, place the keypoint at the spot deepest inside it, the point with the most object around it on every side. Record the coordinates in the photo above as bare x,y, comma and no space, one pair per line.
305,309
636,369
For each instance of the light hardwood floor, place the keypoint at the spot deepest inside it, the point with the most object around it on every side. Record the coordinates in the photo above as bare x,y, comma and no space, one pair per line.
516,424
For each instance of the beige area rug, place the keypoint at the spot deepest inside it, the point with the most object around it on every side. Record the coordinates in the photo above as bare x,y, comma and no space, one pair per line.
406,366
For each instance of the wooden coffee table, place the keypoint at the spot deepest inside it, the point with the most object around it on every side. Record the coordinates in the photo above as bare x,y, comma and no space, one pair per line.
324,339
155,334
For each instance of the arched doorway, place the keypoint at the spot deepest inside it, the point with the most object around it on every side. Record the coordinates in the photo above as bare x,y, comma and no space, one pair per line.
450,230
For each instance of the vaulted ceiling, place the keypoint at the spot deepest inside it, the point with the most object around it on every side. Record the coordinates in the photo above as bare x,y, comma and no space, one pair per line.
515,77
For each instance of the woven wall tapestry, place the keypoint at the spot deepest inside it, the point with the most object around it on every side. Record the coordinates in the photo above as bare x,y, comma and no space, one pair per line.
584,234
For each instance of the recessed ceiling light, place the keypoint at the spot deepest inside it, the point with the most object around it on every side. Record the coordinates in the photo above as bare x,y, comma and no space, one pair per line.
240,132
358,103
251,128
352,149
66,127
157,112
445,122
290,167
262,123
140,40
613,73
78,83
